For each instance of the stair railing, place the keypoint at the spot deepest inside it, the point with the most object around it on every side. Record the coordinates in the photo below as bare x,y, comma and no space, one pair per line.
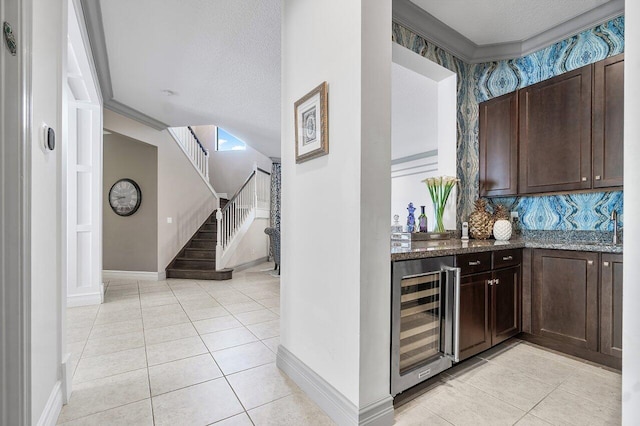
194,149
195,152
254,194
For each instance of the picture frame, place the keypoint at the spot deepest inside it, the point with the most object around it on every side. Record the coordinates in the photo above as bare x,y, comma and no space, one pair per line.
312,124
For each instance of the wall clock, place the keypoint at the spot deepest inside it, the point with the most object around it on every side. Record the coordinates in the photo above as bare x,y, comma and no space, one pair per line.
125,197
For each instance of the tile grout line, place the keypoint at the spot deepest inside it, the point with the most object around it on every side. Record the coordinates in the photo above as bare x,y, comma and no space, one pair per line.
85,340
138,297
225,377
146,358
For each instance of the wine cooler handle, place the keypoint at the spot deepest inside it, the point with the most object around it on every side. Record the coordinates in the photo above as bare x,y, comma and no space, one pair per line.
456,312
453,311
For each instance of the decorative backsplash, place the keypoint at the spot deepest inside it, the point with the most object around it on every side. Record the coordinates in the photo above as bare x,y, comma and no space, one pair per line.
569,212
480,82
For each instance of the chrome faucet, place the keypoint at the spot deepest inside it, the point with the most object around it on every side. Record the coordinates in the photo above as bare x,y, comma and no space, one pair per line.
614,218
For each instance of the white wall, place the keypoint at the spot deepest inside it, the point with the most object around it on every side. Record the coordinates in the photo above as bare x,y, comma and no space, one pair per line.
254,244
228,170
407,186
182,194
375,196
48,36
423,121
414,113
334,229
631,313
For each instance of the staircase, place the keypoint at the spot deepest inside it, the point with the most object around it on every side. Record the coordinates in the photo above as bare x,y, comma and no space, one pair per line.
197,260
210,251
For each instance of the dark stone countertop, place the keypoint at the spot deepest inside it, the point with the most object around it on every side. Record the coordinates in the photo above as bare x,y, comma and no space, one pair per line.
401,250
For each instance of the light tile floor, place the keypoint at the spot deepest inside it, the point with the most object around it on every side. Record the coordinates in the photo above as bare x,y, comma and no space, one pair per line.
518,383
185,352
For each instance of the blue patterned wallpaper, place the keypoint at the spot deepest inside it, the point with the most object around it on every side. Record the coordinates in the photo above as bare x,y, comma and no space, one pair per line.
569,212
480,82
276,188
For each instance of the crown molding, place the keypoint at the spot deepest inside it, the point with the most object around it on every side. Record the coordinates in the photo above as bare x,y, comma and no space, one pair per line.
435,31
134,114
95,30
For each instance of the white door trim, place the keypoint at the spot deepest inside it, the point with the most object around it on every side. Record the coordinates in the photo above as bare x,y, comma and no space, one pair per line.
15,217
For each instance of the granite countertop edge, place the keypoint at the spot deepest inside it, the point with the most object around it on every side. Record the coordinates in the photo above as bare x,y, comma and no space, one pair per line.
420,250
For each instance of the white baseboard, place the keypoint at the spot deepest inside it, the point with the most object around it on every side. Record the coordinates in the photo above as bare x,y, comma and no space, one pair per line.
250,264
86,299
331,401
67,378
108,275
49,416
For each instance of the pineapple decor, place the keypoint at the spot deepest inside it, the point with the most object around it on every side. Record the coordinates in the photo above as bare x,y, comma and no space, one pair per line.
502,226
480,221
500,212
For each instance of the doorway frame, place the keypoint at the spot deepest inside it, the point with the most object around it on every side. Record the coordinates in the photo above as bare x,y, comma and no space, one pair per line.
15,254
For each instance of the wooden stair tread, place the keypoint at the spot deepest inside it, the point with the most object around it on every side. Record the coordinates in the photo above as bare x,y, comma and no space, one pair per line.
199,262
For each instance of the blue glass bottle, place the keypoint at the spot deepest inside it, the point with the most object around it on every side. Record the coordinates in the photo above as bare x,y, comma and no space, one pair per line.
411,219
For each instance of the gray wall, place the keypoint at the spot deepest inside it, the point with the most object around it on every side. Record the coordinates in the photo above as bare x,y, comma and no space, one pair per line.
130,243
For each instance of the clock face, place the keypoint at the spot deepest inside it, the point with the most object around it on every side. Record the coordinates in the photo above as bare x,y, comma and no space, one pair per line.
125,197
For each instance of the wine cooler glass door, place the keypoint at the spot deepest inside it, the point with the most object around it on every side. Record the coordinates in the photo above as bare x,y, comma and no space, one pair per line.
420,320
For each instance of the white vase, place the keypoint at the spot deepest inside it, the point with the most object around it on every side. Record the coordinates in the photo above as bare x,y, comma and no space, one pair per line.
502,230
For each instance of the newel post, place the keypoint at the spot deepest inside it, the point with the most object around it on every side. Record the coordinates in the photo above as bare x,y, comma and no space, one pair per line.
206,163
219,239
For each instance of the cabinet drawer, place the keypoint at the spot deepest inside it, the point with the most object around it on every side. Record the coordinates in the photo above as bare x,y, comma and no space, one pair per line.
471,263
506,258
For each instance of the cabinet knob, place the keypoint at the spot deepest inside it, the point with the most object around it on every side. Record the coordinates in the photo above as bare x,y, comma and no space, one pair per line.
507,258
496,281
598,177
605,263
474,263
490,282
584,179
589,262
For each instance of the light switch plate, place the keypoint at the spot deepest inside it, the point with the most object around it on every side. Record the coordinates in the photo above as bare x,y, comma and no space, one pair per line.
169,220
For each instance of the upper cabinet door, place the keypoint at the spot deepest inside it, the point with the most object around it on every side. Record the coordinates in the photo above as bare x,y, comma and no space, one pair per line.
555,134
608,122
499,146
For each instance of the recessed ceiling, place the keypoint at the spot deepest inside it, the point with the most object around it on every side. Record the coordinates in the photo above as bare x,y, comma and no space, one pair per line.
489,30
197,62
503,21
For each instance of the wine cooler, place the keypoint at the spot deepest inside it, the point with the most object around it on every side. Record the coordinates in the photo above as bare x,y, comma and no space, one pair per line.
424,329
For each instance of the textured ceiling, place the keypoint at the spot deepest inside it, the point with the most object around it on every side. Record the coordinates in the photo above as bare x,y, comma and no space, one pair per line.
221,58
486,22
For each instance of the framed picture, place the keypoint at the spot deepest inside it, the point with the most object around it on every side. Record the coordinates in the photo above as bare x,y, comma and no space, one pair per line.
312,124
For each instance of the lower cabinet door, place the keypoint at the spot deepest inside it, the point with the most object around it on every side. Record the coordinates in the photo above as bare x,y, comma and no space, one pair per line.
505,304
565,297
475,335
611,305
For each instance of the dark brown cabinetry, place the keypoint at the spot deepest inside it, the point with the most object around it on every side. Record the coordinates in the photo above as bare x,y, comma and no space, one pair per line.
555,133
499,146
608,122
475,335
562,134
611,305
565,297
576,304
505,304
489,299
